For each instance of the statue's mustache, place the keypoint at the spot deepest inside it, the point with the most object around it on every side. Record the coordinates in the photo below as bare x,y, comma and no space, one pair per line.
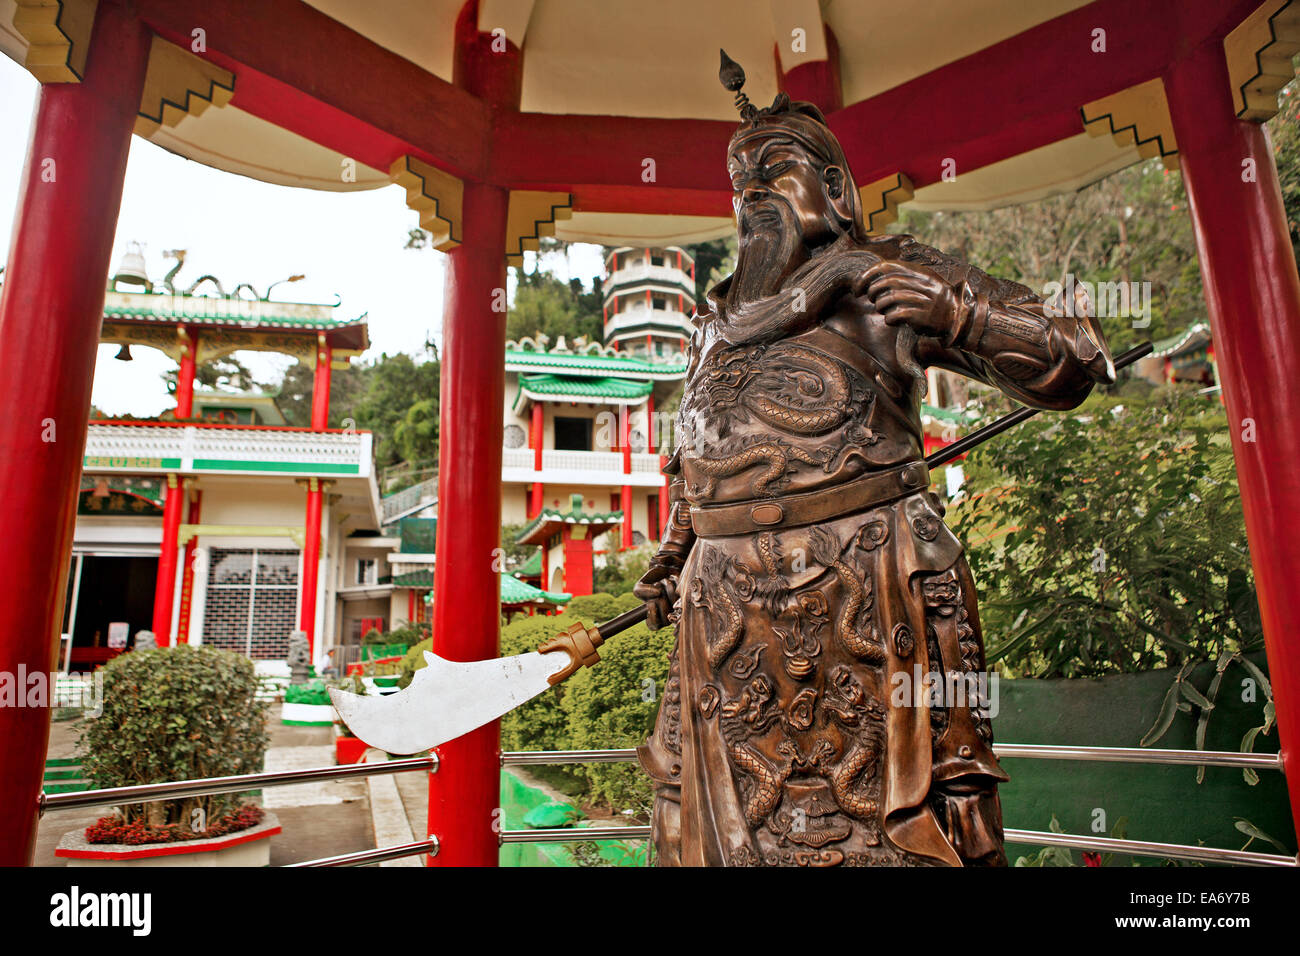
765,214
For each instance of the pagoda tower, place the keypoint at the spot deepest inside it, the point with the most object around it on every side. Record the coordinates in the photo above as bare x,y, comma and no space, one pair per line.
649,297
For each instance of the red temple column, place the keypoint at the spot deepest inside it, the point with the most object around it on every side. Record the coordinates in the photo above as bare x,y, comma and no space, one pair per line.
187,574
536,431
625,504
51,308
164,592
185,377
1253,296
311,560
320,386
464,793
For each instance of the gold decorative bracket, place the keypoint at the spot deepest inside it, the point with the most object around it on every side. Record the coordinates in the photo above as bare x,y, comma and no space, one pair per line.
881,199
58,37
178,84
533,214
1137,116
436,195
1259,53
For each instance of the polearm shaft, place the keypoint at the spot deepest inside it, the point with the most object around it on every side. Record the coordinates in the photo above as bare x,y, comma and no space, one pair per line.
944,455
964,444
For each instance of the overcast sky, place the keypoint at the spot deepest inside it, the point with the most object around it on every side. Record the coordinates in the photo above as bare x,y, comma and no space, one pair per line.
242,230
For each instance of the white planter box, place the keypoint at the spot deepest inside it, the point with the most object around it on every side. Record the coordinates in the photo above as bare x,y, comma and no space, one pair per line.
251,847
314,715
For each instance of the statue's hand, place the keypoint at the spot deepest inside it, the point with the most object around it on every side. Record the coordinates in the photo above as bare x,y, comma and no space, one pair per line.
910,295
658,588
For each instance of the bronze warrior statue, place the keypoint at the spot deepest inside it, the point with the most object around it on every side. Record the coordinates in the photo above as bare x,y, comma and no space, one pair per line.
806,565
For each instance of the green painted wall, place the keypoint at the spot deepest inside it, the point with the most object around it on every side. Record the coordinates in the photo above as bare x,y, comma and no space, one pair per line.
1161,803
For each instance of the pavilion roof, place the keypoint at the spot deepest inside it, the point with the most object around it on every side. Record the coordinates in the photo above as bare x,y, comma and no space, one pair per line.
562,388
514,593
967,104
591,365
532,567
550,520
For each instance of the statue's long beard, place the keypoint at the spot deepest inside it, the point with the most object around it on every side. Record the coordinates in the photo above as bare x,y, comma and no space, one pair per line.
767,254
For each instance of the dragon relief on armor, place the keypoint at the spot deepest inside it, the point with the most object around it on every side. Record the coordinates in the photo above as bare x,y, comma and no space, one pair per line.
862,720
710,593
791,388
863,643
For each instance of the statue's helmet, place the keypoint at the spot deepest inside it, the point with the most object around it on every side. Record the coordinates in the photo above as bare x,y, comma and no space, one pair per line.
803,123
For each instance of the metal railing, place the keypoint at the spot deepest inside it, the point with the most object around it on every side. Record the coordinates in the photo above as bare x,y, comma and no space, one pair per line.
235,784
147,792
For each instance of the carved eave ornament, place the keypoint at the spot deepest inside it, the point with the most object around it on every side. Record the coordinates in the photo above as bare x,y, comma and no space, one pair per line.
881,199
1259,53
436,195
1137,116
58,37
533,214
178,84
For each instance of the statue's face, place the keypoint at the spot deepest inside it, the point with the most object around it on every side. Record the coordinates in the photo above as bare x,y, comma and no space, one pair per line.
776,170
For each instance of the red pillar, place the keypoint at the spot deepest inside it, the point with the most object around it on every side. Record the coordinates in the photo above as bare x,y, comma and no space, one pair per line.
187,574
320,386
464,793
51,308
1253,296
165,588
535,437
626,502
311,561
185,377
410,606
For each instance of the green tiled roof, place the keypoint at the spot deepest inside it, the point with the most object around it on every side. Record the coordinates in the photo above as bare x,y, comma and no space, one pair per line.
200,316
1197,333
594,365
948,414
586,387
513,591
532,567
575,515
414,579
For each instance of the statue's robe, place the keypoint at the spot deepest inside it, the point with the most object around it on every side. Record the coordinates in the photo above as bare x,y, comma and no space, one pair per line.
794,729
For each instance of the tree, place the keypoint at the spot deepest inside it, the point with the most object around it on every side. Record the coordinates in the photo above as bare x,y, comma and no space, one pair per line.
224,372
1110,540
297,393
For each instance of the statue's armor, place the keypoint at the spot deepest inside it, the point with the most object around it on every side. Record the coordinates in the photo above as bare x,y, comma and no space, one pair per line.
819,584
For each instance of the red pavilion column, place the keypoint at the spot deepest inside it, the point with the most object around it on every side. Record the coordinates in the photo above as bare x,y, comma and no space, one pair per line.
1253,295
187,569
185,377
625,503
536,431
320,386
464,793
164,592
51,308
311,560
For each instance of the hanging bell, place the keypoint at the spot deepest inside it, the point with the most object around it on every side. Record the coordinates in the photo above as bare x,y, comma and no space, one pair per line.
123,354
132,269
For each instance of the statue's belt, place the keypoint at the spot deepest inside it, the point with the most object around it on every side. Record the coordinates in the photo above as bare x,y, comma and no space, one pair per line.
810,507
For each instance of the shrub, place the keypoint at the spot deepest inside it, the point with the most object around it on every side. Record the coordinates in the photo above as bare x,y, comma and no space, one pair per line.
176,713
611,705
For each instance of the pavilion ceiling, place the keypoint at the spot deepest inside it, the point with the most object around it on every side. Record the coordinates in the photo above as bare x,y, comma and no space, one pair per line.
329,94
